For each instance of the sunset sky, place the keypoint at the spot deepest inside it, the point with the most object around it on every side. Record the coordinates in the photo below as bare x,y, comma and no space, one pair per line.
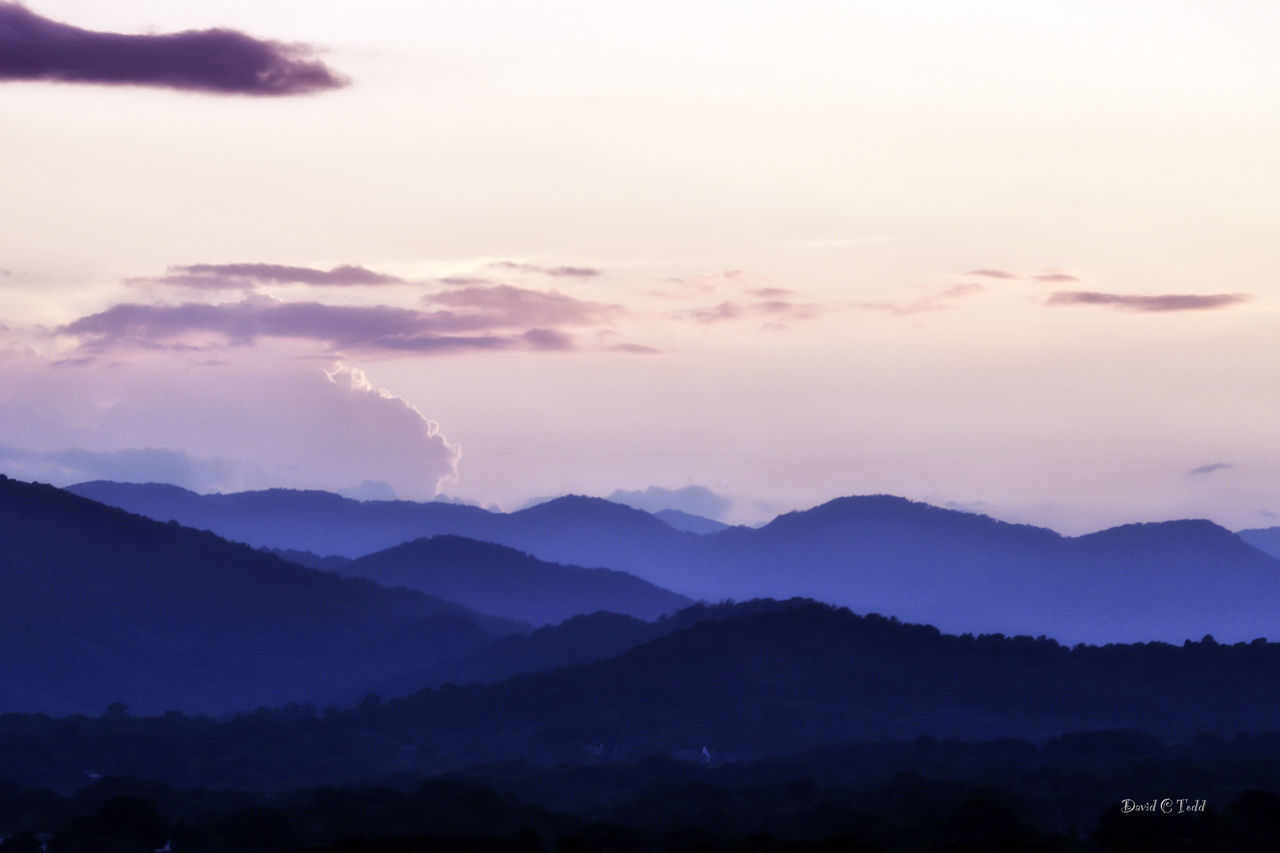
1018,258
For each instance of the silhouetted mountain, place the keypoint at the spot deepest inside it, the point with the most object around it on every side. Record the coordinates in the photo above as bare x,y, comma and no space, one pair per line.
505,582
331,563
99,606
769,679
802,675
689,522
957,570
1266,539
582,639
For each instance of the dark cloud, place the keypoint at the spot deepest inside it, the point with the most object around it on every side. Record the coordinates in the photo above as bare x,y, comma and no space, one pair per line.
248,276
341,276
1167,302
504,306
220,61
1208,469
1055,277
698,500
494,319
989,273
557,272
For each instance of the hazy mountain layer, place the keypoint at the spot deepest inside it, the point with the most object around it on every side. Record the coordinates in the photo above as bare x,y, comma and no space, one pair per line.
99,606
957,570
505,582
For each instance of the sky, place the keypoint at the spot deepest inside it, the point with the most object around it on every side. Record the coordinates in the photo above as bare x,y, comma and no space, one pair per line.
1013,258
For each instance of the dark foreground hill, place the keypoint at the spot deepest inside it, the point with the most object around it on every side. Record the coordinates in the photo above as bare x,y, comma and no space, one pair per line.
769,682
957,570
98,606
505,582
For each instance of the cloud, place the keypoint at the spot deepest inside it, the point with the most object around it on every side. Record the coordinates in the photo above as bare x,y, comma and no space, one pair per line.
556,272
378,327
548,339
391,439
219,61
698,500
255,423
1055,277
771,292
464,280
938,301
990,273
134,465
714,313
1208,469
502,306
247,276
1167,302
474,318
783,309
638,349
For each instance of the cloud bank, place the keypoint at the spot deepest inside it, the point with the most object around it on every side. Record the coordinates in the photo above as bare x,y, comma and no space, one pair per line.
219,61
696,500
258,423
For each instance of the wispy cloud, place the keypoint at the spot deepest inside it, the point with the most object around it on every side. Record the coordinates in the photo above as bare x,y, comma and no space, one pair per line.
713,313
1059,277
555,272
993,273
1166,302
247,276
1204,470
220,61
937,301
502,306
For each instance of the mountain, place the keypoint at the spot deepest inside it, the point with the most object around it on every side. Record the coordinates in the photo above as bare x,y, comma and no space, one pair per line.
878,553
765,679
582,639
320,522
1264,539
689,522
505,582
790,677
99,606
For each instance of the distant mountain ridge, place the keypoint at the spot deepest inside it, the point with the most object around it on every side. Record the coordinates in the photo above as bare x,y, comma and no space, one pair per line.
877,553
1264,539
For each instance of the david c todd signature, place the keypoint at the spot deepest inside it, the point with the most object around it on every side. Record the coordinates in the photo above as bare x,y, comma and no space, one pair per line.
1168,805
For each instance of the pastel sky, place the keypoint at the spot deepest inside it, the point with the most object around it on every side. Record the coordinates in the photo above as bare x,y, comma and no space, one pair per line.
1019,258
